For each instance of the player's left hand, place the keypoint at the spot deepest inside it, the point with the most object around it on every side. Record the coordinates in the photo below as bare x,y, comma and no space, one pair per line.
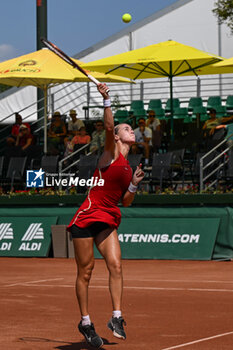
138,175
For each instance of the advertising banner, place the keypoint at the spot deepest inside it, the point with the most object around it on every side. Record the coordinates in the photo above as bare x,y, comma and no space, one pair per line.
144,233
26,236
173,238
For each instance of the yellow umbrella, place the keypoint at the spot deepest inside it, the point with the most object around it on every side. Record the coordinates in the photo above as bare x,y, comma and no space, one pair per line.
44,69
107,78
166,59
222,67
227,63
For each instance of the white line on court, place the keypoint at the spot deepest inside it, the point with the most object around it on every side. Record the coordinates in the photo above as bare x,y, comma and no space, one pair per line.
198,341
172,281
32,282
131,287
127,279
192,281
178,289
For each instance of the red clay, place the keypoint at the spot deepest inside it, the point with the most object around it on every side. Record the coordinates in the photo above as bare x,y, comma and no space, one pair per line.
167,304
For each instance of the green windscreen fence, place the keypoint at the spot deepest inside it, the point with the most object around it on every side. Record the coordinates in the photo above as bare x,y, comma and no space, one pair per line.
192,233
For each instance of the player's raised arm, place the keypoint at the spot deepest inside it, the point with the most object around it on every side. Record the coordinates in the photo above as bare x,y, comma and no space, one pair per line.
110,146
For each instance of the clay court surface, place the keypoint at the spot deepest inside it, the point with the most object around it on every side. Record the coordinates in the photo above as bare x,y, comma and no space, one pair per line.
167,305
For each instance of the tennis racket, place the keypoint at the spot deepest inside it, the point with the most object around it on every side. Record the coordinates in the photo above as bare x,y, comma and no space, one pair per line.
68,60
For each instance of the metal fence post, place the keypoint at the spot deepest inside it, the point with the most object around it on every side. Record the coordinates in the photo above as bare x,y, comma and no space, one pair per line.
198,87
220,54
141,90
131,48
201,174
88,99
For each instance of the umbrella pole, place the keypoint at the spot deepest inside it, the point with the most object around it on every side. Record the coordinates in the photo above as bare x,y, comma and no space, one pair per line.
45,119
171,99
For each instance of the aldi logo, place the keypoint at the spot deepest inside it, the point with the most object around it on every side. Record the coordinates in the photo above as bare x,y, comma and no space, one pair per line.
34,232
6,232
35,178
26,236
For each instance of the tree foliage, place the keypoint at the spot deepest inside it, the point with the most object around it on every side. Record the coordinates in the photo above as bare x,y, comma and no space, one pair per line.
224,11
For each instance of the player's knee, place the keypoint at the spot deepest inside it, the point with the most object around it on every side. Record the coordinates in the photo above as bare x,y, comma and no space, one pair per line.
85,272
115,267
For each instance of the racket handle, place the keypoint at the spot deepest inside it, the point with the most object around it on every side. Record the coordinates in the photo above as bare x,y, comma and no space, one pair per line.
95,81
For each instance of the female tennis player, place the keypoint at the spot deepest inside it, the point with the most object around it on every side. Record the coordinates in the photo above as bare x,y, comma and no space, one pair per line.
98,218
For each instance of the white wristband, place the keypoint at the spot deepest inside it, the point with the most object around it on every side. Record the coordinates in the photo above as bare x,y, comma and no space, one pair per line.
132,188
107,103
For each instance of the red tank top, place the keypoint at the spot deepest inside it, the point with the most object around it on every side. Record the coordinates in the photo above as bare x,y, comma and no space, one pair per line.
101,202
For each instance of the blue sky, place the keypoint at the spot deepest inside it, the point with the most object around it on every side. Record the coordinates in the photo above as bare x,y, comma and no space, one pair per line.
74,25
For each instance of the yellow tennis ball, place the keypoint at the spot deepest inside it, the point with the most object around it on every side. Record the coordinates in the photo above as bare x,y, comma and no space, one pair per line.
126,18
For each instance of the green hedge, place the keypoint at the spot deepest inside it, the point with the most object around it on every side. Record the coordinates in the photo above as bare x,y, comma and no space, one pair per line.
150,200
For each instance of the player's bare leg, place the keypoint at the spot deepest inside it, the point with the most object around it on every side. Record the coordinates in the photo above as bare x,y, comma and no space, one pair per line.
84,256
108,245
